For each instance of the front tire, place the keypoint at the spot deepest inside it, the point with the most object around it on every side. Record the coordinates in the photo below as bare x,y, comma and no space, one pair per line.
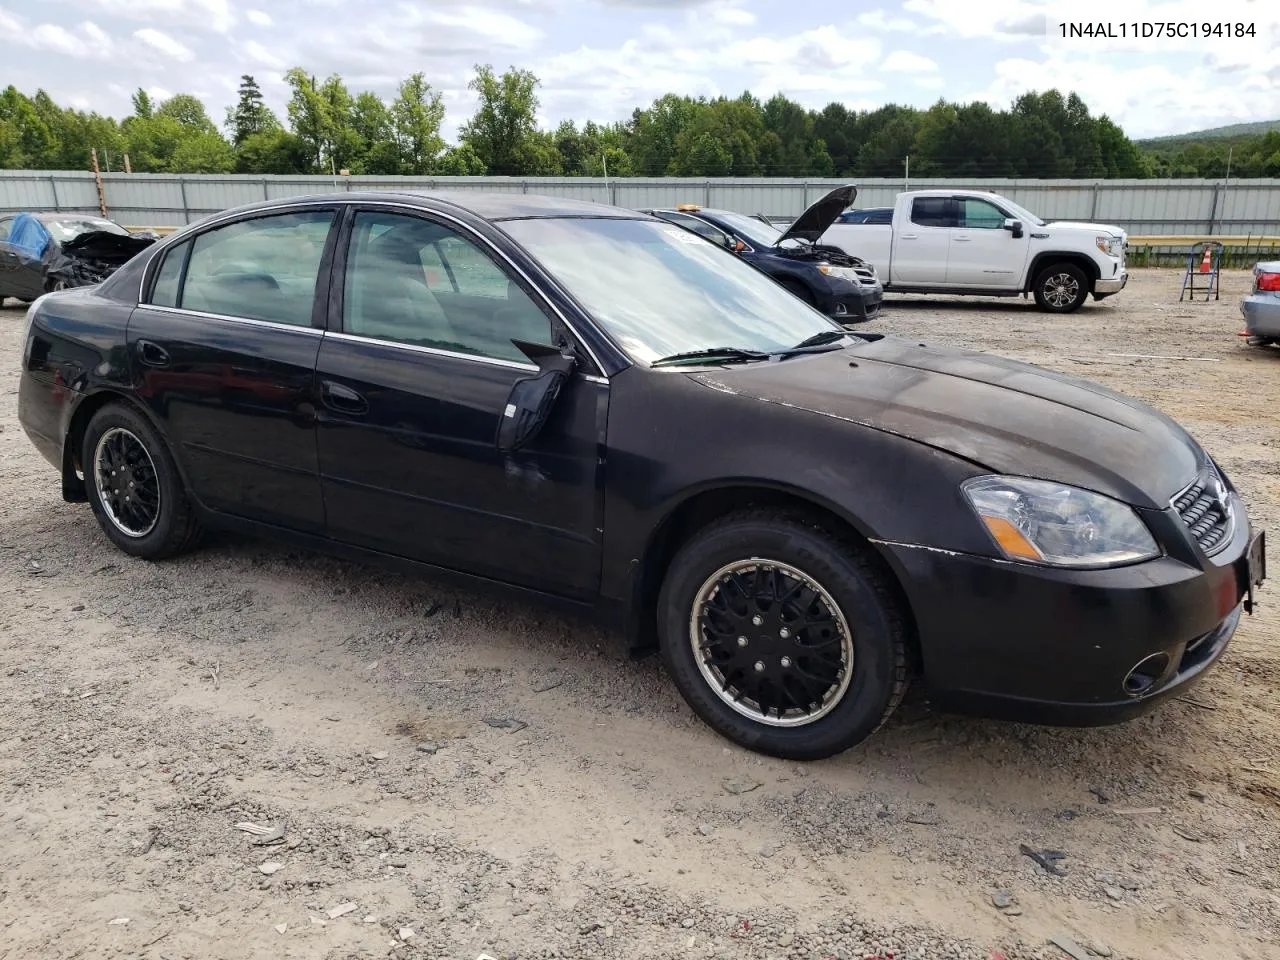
1061,288
133,485
783,638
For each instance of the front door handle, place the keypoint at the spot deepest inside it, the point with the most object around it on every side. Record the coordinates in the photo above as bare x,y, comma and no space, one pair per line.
906,236
337,396
152,354
961,239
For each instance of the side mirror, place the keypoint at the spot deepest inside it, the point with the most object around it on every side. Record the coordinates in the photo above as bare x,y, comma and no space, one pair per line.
532,398
1014,227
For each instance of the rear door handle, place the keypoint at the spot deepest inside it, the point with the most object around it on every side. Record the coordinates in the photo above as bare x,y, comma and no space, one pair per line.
906,236
342,398
152,354
962,239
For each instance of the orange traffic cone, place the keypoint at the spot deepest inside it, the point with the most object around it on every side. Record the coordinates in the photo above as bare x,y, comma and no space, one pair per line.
1206,264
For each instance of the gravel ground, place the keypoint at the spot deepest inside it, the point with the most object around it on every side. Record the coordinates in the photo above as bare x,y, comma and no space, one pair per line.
147,709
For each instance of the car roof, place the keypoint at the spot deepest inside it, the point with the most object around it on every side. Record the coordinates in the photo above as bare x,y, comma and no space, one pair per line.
491,206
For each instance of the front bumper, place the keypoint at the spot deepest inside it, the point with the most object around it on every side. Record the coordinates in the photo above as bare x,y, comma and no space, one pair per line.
1038,645
1261,315
1105,288
854,304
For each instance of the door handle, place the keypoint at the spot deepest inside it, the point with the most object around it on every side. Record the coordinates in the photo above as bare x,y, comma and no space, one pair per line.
906,236
342,398
152,354
962,239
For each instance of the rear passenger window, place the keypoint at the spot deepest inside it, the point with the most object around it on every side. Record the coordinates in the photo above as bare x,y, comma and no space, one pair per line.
932,212
165,292
413,281
260,269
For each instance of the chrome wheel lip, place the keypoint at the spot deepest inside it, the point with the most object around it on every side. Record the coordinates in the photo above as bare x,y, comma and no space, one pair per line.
833,697
99,480
1061,289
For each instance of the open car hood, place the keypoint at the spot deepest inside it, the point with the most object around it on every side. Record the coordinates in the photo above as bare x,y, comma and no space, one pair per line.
100,245
813,223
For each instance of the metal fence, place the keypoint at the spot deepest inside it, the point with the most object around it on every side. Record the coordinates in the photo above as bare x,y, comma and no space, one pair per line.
1142,207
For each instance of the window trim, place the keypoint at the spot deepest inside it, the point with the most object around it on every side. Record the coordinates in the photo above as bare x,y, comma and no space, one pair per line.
318,303
338,272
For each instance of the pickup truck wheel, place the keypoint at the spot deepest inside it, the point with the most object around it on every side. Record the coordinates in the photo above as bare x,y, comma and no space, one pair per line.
1061,288
783,638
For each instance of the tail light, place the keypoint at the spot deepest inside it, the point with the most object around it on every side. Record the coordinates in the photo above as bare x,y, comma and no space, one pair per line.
1269,282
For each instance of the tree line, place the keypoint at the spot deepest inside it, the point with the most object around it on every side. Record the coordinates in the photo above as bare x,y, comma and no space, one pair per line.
328,129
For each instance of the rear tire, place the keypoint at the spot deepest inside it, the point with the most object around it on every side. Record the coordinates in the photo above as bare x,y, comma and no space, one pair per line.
821,624
134,487
1061,288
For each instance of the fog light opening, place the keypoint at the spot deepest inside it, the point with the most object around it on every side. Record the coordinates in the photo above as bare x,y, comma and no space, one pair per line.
1143,677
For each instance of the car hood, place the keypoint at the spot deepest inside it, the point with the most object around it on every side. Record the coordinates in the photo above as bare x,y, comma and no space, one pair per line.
1005,416
1090,228
813,223
101,245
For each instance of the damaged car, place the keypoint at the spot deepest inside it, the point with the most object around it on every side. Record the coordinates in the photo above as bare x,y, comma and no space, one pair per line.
583,404
43,252
825,277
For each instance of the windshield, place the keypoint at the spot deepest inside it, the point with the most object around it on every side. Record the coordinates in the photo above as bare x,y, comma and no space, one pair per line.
64,230
755,232
659,290
1021,213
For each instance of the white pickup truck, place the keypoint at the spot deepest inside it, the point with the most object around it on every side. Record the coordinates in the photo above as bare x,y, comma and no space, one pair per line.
973,242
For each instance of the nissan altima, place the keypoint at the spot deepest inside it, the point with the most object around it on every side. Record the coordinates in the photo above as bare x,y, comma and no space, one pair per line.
573,401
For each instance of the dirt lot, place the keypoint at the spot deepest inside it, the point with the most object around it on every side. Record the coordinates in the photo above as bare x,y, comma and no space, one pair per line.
146,710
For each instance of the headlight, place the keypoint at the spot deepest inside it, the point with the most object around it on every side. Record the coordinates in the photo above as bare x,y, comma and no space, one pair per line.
1111,246
841,273
1038,521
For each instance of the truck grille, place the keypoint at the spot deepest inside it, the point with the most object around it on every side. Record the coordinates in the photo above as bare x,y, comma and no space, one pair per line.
1205,509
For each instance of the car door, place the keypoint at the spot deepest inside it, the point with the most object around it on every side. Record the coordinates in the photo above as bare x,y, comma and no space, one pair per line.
8,261
983,253
27,243
922,246
223,350
414,376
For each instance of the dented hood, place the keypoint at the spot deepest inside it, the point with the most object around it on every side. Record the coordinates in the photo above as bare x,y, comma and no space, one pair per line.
102,245
1005,416
813,223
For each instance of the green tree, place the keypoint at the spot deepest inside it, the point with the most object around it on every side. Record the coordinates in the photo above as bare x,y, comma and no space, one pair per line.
251,114
272,151
416,115
31,141
461,161
141,103
502,131
189,112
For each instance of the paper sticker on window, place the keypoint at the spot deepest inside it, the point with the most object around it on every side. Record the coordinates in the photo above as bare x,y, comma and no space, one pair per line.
684,236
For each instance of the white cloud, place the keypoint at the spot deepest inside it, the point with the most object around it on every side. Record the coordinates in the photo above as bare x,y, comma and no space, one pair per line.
164,44
733,16
85,42
261,55
214,15
904,61
879,20
259,18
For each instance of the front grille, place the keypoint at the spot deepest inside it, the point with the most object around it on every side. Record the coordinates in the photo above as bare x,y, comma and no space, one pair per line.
1205,509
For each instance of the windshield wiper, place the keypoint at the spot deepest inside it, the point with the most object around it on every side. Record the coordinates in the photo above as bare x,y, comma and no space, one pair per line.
821,338
722,354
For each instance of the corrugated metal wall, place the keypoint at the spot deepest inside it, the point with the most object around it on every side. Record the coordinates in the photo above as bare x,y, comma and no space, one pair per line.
1143,207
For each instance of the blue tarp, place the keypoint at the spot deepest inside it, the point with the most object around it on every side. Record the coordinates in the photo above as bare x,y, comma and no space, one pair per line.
29,235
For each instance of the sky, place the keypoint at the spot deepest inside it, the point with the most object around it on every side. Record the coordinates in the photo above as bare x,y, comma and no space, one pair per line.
599,59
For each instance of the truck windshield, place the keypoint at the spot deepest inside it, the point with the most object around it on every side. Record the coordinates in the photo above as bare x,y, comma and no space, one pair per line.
1022,213
658,290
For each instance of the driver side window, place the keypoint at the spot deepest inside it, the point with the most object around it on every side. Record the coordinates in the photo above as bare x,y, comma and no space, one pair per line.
413,281
980,215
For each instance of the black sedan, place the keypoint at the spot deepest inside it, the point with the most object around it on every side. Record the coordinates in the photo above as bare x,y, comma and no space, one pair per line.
42,252
838,284
572,401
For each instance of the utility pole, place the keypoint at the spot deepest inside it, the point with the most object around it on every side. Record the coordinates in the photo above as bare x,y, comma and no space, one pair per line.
906,174
97,177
